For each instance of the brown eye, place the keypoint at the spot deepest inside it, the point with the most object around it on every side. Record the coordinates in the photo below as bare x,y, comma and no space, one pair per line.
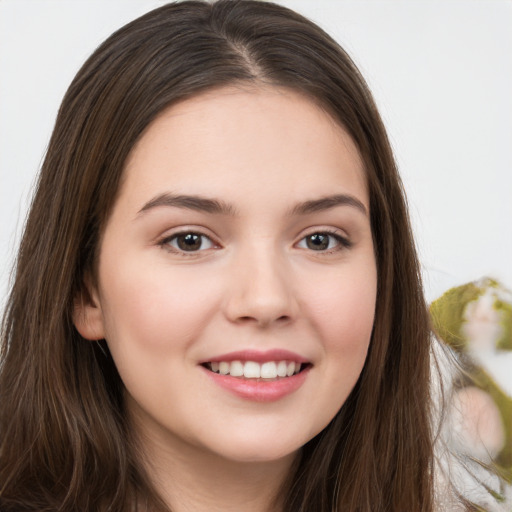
189,242
317,242
324,242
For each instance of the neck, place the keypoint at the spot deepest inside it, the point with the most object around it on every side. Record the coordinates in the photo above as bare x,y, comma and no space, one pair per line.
217,484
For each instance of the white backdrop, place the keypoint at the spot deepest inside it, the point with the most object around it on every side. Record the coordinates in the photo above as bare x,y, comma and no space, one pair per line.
441,72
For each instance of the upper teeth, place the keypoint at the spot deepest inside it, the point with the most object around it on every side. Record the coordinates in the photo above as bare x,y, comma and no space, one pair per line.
253,370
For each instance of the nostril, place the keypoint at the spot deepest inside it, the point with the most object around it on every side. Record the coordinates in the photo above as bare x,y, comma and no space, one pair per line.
264,320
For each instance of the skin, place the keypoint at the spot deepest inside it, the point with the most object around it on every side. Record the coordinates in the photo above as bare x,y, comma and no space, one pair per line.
255,283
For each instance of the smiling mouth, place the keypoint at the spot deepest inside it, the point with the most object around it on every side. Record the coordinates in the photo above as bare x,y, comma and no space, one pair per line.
270,370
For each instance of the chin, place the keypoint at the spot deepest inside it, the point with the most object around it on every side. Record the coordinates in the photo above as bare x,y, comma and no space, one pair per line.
252,449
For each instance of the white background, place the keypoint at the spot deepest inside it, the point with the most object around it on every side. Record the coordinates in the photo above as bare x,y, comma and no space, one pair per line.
441,72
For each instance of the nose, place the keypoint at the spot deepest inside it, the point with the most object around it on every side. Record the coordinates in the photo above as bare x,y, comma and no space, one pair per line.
261,290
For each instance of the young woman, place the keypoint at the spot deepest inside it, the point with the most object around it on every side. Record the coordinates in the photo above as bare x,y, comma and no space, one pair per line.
217,302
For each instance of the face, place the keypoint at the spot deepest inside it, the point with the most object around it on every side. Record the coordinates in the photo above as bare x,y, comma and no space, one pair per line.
236,277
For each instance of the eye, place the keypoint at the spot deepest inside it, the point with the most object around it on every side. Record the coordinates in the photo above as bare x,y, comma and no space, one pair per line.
188,242
323,241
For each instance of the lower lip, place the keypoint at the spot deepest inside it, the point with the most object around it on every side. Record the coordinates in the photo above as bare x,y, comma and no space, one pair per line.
259,390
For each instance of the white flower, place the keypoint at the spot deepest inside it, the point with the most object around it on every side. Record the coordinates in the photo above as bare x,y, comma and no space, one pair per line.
482,323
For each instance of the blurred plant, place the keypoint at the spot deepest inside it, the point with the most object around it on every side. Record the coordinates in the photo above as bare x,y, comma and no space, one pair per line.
475,320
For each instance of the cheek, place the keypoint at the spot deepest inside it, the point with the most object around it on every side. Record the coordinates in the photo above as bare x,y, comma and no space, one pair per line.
343,308
155,308
342,311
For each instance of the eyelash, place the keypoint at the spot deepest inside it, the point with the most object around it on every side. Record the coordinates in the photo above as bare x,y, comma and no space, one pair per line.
166,243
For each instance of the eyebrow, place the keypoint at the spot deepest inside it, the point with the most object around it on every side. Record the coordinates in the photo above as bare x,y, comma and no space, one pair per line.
219,207
198,203
328,202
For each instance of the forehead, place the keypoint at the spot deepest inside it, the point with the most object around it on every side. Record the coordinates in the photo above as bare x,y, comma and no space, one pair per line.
247,137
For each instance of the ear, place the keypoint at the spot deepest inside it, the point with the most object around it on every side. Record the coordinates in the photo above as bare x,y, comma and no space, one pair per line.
87,313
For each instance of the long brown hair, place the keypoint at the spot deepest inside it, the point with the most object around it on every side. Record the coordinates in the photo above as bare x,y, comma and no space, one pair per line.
64,442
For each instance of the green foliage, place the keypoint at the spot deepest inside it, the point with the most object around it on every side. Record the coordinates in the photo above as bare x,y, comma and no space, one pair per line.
505,308
447,313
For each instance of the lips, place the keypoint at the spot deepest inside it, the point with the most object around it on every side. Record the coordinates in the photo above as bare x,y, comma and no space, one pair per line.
258,376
